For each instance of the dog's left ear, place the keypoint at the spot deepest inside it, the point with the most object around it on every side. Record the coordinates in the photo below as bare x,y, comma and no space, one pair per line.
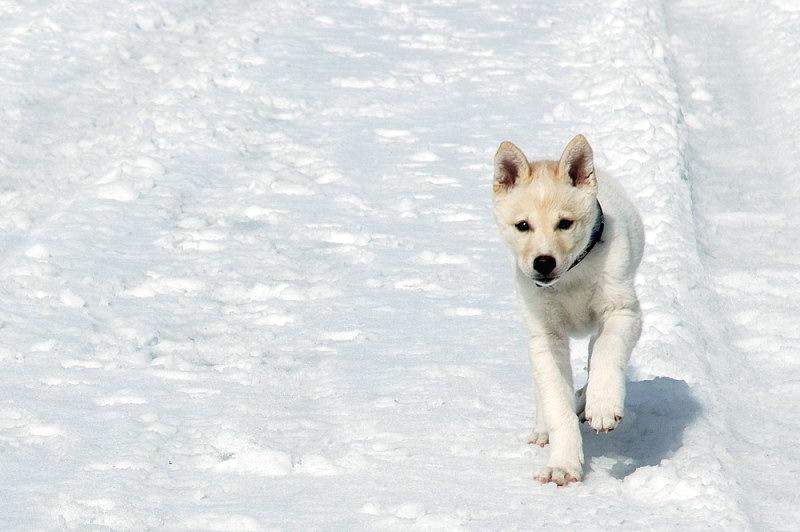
510,167
577,163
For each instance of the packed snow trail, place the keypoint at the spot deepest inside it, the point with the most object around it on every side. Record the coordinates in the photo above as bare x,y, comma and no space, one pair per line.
250,279
738,88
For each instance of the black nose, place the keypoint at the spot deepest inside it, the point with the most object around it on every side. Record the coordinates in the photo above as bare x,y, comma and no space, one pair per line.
544,264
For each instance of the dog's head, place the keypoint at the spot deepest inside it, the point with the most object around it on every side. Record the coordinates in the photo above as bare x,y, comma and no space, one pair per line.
546,210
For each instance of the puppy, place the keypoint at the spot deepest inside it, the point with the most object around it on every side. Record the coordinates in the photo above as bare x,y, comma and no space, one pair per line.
576,242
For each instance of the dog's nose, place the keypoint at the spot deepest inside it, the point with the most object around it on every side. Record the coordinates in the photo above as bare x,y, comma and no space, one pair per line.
544,264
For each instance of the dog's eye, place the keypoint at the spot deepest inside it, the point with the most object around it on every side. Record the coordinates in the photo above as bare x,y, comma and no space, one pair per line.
564,223
522,226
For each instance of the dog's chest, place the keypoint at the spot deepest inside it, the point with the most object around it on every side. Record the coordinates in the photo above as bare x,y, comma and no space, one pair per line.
577,311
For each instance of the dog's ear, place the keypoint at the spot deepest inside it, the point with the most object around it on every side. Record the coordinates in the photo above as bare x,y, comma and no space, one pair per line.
577,163
510,166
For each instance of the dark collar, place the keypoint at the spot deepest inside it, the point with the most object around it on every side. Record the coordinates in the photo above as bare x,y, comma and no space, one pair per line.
597,232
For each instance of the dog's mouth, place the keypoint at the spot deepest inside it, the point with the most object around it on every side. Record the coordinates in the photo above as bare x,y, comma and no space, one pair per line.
544,282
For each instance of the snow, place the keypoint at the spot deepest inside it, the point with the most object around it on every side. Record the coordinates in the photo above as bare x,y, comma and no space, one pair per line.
249,276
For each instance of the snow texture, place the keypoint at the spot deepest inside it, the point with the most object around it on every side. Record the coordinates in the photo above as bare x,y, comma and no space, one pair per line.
249,276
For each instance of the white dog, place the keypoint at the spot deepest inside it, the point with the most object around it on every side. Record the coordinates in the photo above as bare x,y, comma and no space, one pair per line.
577,241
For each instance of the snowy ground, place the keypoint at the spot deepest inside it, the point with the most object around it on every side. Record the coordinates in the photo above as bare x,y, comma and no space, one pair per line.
249,276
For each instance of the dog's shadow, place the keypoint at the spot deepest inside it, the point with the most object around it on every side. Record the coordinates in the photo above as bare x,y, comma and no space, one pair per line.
657,413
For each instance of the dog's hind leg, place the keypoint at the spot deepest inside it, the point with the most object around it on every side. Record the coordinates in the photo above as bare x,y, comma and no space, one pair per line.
580,404
539,434
580,395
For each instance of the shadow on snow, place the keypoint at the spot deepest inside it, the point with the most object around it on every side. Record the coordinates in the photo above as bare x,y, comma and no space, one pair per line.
657,413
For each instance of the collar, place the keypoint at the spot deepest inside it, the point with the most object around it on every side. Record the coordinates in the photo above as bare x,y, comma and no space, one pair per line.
597,233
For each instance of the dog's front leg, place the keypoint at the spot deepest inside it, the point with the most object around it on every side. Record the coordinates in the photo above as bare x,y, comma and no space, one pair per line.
552,376
605,391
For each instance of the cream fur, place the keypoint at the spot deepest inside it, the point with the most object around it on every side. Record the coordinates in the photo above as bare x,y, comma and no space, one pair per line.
595,298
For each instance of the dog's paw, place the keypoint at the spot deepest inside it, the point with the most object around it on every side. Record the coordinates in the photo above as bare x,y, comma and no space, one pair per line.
558,475
539,437
604,411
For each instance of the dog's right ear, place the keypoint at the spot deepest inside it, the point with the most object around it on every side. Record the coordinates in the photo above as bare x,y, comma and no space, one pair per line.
510,166
577,163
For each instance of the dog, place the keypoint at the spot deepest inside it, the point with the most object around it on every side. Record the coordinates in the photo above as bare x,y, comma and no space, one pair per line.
576,241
